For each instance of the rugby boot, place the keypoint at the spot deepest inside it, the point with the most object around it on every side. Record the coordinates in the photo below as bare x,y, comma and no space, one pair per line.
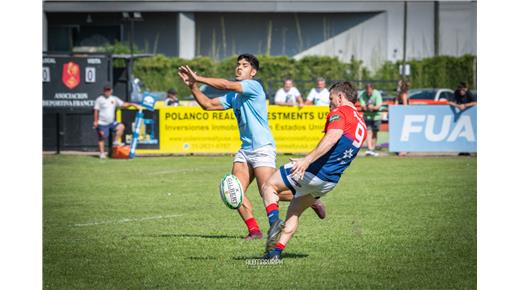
273,235
254,236
319,208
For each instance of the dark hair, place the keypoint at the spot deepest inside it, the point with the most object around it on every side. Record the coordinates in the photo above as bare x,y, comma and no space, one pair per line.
172,91
250,59
462,85
346,88
404,86
369,85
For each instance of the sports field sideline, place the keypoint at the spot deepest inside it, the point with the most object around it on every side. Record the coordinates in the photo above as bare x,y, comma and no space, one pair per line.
393,223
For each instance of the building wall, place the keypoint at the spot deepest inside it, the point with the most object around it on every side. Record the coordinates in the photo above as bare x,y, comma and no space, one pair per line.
370,31
222,34
363,39
458,28
157,33
420,38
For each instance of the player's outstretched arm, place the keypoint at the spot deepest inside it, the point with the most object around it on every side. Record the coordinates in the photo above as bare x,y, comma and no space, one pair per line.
128,105
217,83
326,143
203,100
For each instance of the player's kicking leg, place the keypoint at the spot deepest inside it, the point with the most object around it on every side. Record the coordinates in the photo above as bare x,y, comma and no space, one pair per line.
281,232
270,194
297,206
263,174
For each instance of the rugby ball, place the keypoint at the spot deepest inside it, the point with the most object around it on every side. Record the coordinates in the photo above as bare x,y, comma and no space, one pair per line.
231,191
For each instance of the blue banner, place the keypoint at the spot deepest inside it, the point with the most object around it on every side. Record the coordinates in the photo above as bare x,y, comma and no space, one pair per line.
433,128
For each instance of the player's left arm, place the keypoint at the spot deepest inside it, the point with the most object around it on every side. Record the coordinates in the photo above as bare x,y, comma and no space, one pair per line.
326,143
217,83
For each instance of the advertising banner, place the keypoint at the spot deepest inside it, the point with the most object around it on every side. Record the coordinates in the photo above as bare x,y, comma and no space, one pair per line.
187,130
432,129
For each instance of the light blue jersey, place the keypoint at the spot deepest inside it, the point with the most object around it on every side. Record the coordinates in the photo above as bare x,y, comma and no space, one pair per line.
250,109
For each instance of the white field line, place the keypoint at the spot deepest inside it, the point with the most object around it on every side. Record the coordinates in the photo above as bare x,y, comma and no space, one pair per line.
127,220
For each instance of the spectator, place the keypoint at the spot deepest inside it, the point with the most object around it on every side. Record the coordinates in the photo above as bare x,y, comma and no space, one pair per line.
171,98
399,84
105,118
288,95
370,101
318,96
402,93
463,98
402,99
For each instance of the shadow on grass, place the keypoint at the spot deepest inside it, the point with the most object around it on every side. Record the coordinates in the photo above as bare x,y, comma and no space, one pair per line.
284,256
193,236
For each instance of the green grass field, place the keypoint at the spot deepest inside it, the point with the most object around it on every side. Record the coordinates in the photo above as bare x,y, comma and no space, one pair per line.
393,223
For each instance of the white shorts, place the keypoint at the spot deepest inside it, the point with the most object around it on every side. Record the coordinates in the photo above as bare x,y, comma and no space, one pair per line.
263,156
310,184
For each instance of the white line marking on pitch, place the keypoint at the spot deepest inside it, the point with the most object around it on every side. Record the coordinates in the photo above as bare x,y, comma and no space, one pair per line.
127,220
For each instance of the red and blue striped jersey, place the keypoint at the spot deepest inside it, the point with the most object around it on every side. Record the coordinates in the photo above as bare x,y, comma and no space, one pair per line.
331,165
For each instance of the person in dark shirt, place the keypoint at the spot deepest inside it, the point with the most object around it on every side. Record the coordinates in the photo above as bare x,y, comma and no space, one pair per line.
463,98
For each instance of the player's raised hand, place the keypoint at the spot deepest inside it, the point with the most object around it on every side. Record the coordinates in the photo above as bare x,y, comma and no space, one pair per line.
186,70
184,78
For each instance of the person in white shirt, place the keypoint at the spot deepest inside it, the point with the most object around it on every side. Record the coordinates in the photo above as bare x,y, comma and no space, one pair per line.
288,95
105,118
319,95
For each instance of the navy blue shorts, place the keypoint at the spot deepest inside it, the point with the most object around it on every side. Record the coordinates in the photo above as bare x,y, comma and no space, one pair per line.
103,131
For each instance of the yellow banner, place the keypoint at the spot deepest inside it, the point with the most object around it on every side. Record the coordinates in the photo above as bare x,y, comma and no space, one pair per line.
193,130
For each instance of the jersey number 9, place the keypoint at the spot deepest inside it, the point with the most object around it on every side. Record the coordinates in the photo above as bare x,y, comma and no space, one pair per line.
360,132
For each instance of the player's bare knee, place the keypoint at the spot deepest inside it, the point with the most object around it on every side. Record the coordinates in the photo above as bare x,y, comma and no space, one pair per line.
268,186
265,188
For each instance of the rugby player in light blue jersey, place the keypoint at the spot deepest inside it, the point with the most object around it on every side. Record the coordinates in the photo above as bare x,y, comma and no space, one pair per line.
257,155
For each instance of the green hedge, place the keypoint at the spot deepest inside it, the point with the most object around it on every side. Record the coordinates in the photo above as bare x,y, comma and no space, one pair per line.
434,72
159,73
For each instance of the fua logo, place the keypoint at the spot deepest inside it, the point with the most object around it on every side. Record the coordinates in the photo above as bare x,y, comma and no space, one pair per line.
463,128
